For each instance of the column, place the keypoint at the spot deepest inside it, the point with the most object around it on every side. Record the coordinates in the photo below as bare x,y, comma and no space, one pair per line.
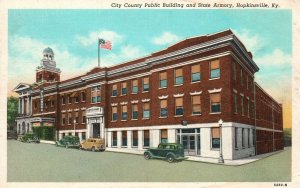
154,138
109,139
140,139
27,110
171,136
30,109
60,136
23,105
119,139
129,139
19,106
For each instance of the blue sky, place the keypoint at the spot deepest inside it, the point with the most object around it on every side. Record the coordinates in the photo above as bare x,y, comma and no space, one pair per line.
135,33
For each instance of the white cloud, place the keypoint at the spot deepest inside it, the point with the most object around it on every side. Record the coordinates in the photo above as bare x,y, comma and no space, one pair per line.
165,38
253,42
92,37
275,59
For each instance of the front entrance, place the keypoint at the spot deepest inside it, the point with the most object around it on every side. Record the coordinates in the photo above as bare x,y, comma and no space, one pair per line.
96,130
190,139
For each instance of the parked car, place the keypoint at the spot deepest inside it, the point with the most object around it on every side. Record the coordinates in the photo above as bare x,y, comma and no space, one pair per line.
68,141
168,151
29,137
94,144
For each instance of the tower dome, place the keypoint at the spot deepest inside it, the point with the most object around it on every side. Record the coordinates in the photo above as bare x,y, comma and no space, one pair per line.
48,53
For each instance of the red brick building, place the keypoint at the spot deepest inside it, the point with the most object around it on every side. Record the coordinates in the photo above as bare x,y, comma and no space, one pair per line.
178,94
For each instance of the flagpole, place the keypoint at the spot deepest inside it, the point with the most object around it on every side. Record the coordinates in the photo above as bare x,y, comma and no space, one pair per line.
98,53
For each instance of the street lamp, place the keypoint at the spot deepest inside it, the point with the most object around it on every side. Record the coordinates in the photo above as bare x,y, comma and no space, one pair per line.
221,160
74,127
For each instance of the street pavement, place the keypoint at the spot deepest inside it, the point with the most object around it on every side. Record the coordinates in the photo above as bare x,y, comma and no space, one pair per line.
48,163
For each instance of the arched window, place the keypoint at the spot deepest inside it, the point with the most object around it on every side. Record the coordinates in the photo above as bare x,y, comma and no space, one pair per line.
23,127
27,128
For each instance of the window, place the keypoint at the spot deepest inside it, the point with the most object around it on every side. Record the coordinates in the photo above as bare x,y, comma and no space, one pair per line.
76,117
134,111
135,88
114,113
63,118
124,88
234,70
76,99
214,69
83,136
69,118
124,112
70,99
247,83
63,100
146,138
248,108
179,106
243,137
83,97
83,116
163,80
146,85
242,105
215,137
248,131
215,102
196,75
163,108
178,76
52,103
115,90
124,138
96,94
242,83
164,136
35,104
235,103
196,105
114,139
253,137
146,110
134,138
236,137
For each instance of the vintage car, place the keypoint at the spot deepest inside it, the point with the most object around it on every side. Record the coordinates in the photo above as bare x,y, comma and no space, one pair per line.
169,151
69,141
93,144
29,137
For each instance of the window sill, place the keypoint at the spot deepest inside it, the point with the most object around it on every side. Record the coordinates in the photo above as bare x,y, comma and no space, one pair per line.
95,102
145,91
113,96
114,121
134,93
114,146
162,87
163,117
123,146
215,149
123,95
123,120
178,85
83,101
134,146
63,104
145,118
76,102
134,119
146,147
178,116
196,114
214,78
195,82
215,113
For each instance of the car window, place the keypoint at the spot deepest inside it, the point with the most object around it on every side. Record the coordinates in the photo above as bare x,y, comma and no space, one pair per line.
160,146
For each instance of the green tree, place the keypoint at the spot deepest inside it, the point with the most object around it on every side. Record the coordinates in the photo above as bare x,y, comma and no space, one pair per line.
12,110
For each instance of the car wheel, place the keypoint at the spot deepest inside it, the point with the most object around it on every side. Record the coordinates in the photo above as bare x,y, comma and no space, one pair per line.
147,156
93,149
101,148
170,158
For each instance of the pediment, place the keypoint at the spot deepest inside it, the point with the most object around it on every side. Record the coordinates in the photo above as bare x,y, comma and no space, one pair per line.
21,87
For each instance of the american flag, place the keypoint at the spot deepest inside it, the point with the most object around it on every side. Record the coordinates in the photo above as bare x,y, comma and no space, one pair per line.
105,44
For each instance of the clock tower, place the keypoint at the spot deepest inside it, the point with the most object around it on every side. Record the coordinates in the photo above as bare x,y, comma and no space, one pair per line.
47,71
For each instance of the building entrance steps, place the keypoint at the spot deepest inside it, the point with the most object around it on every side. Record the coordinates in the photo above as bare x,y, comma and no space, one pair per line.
236,162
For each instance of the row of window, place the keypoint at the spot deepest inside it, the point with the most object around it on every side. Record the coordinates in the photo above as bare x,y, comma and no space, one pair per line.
244,77
249,105
67,118
245,135
215,101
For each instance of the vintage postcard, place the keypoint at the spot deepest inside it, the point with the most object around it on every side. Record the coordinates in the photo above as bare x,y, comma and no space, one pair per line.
149,93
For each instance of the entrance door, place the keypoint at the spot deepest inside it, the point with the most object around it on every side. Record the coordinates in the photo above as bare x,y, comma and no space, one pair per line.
96,130
189,144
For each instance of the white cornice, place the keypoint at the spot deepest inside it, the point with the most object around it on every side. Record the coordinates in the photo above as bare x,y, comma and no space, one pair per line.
145,100
241,94
114,104
215,90
179,95
123,103
234,90
196,93
163,97
134,101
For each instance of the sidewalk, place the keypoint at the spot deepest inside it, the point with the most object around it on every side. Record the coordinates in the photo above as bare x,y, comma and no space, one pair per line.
236,162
